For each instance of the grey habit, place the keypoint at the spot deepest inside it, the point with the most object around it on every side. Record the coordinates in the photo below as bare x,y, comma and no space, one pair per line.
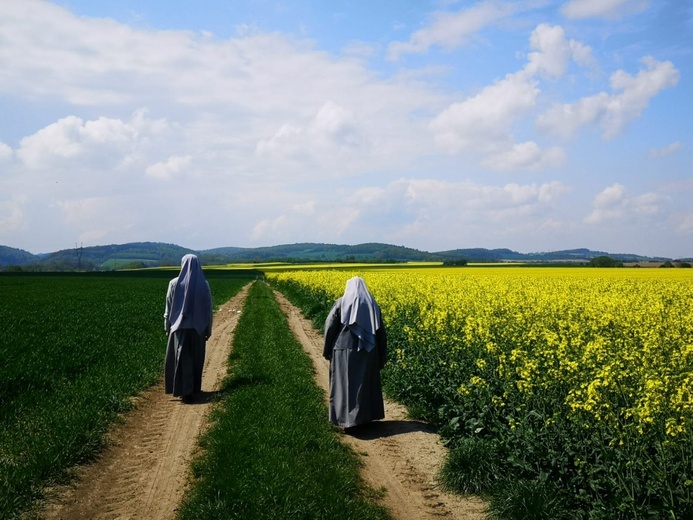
356,345
188,323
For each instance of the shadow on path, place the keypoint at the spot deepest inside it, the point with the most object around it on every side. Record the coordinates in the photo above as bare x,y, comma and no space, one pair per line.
203,397
382,429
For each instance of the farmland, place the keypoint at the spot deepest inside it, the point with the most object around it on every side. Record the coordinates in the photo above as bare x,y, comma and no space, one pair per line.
75,349
567,387
574,382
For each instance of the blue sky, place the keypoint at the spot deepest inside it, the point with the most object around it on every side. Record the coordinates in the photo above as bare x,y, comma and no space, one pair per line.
535,125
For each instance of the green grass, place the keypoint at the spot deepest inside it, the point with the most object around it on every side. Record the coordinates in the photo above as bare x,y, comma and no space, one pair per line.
271,452
75,348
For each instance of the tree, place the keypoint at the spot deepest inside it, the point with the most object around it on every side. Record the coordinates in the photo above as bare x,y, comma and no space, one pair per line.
604,261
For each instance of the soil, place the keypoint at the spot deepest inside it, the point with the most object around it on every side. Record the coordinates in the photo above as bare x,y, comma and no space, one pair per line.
143,472
401,456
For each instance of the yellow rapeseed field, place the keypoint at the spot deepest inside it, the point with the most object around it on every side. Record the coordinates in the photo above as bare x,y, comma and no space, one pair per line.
601,356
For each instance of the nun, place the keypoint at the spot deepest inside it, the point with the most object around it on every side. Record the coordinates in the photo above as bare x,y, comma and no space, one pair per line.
356,346
188,324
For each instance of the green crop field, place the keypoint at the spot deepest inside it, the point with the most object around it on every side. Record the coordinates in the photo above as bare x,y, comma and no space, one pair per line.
75,348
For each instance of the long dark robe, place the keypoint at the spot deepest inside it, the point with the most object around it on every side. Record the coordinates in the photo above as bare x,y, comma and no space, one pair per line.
185,359
356,395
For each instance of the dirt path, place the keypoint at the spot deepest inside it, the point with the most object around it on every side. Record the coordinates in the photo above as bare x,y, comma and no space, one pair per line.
143,474
400,455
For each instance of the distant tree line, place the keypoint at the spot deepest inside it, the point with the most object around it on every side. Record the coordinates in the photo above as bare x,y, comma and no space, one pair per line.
457,262
604,261
607,261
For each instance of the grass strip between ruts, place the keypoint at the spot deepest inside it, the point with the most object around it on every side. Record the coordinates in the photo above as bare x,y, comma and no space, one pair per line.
270,451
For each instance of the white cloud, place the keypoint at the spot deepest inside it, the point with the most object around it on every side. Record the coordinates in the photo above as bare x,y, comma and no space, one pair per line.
552,52
104,141
169,168
614,204
526,156
287,142
305,208
269,228
452,29
609,9
83,210
471,213
612,112
332,132
247,83
12,216
482,122
667,150
5,151
460,203
335,124
85,61
437,211
58,140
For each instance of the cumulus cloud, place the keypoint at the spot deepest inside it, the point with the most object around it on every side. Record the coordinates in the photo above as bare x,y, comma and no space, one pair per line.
243,84
81,60
435,201
288,142
104,141
609,9
552,52
331,134
612,112
414,208
615,204
484,122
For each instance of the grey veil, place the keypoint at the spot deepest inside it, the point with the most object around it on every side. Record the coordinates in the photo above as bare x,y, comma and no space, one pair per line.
360,313
191,297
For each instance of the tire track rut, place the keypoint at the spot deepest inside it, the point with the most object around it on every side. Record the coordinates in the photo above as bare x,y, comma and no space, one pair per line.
143,472
142,475
401,456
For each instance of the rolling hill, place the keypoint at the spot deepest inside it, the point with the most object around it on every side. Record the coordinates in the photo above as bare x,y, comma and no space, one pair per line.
155,254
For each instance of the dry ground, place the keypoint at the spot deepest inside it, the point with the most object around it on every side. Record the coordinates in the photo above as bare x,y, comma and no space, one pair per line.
401,456
142,475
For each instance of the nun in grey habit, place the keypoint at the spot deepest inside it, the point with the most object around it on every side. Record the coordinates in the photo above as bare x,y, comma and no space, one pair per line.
188,324
356,345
